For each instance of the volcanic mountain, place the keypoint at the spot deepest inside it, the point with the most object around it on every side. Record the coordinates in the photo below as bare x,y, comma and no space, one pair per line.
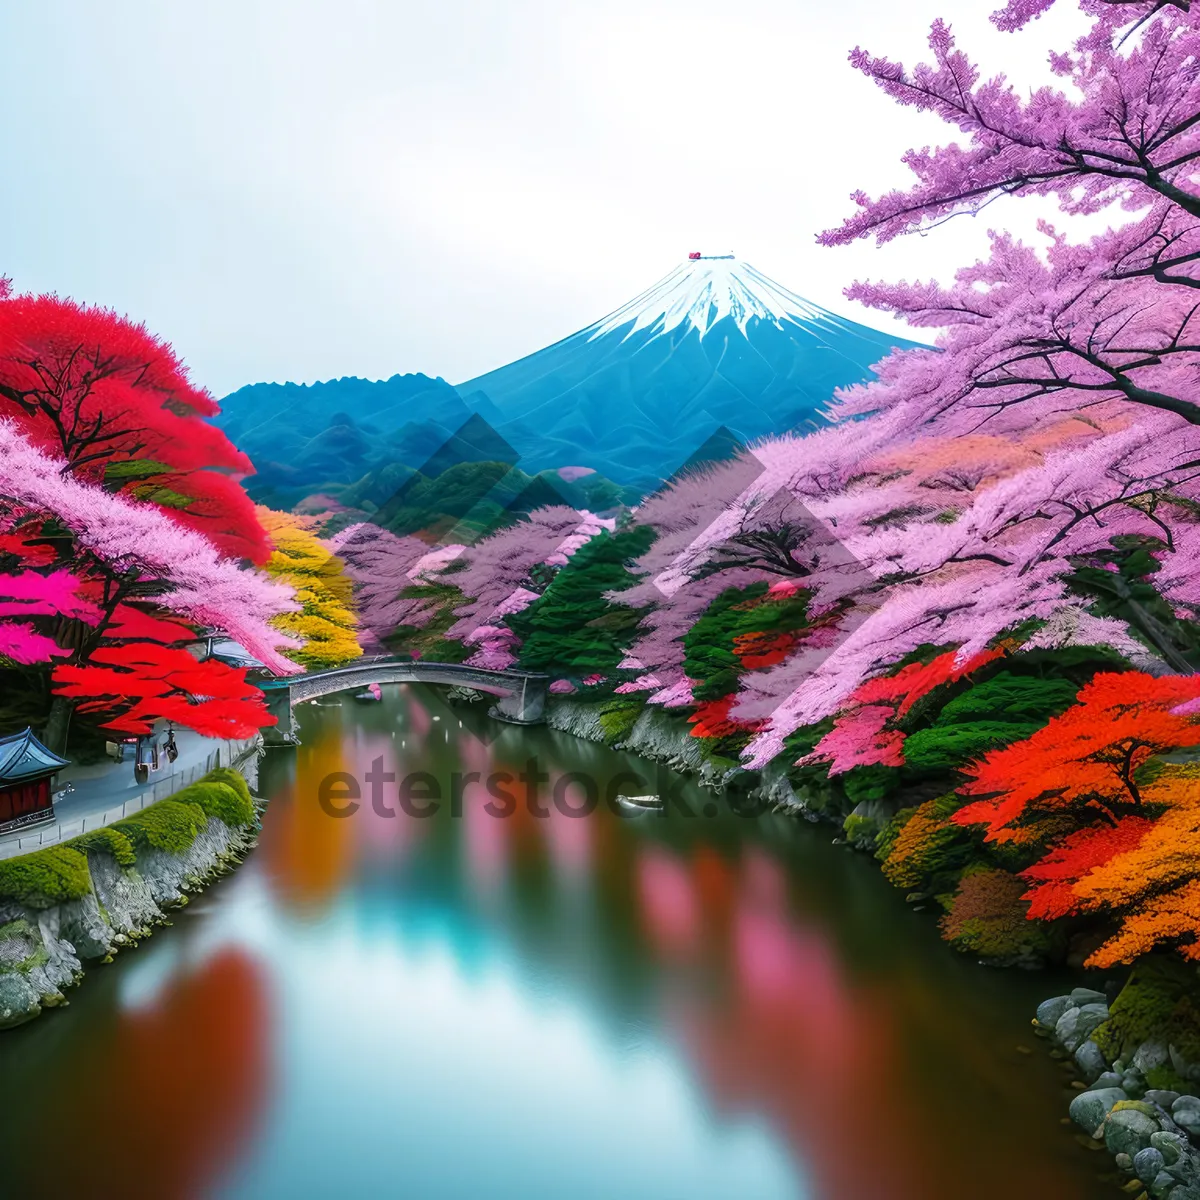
713,344
714,349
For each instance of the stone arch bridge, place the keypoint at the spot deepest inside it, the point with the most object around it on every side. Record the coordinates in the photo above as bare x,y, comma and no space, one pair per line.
520,695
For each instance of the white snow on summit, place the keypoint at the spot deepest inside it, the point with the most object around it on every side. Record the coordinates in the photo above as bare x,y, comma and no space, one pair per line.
706,290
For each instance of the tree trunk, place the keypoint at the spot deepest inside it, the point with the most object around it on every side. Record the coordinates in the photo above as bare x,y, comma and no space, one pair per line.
1160,638
58,723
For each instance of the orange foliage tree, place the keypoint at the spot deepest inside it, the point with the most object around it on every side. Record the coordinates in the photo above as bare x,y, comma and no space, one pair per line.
1084,765
1150,883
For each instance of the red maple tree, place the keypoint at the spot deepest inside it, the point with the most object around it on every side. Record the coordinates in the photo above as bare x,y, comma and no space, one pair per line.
137,683
1084,764
115,402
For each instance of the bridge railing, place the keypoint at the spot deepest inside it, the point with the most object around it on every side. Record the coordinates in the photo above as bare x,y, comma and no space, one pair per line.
417,665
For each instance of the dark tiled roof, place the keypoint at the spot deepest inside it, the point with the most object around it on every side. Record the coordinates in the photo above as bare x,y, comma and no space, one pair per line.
23,757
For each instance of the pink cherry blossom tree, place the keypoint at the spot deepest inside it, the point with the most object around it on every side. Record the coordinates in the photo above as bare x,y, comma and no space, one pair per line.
132,550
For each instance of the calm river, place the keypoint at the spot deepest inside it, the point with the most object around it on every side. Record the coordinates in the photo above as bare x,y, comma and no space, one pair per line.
462,1006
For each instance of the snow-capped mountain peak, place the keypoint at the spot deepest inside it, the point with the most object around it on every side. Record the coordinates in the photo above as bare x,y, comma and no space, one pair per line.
704,290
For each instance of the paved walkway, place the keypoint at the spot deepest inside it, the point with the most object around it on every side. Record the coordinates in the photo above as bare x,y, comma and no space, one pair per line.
106,791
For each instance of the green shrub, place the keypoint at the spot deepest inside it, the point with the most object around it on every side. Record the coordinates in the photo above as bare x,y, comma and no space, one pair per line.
1017,699
108,840
869,783
947,747
930,851
989,917
235,779
46,877
168,825
218,799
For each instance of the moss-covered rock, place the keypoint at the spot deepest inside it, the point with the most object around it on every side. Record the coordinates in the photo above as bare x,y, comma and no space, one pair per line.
216,798
618,717
21,947
1089,1108
1129,1127
79,900
168,825
235,780
1156,1004
45,877
108,840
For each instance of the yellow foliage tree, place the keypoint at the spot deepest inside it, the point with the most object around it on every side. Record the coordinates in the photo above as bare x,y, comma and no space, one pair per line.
326,620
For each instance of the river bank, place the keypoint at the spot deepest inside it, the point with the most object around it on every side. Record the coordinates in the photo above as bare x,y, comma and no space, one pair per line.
1139,1095
756,997
80,902
1136,1045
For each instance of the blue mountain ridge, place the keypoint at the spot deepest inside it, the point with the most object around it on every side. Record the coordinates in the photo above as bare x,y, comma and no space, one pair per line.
714,344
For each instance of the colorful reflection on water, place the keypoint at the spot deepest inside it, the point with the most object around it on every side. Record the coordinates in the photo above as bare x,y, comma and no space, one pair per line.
535,1007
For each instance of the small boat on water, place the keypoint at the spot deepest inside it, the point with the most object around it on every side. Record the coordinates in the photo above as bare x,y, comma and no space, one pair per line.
640,804
370,694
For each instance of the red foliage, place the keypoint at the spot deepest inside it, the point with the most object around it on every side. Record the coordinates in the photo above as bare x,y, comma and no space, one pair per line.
141,682
764,649
1055,875
132,624
712,720
29,553
916,680
1084,762
90,386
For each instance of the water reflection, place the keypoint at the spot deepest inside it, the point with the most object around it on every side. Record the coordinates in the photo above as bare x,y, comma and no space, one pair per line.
453,1007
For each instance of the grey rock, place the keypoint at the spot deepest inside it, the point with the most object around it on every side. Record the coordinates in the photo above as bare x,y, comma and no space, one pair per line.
1089,1109
1188,1119
1064,1027
1124,1162
1169,1145
84,925
1075,1026
168,874
659,735
1049,1011
1127,1131
1186,1170
18,1001
1089,1058
1150,1055
1185,1101
1161,1096
1081,996
1161,1185
125,895
1107,1080
1148,1163
62,963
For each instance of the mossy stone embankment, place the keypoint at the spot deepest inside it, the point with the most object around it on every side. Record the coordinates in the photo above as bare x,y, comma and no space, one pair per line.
107,889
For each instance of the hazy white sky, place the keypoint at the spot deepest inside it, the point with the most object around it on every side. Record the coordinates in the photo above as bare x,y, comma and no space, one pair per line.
303,189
